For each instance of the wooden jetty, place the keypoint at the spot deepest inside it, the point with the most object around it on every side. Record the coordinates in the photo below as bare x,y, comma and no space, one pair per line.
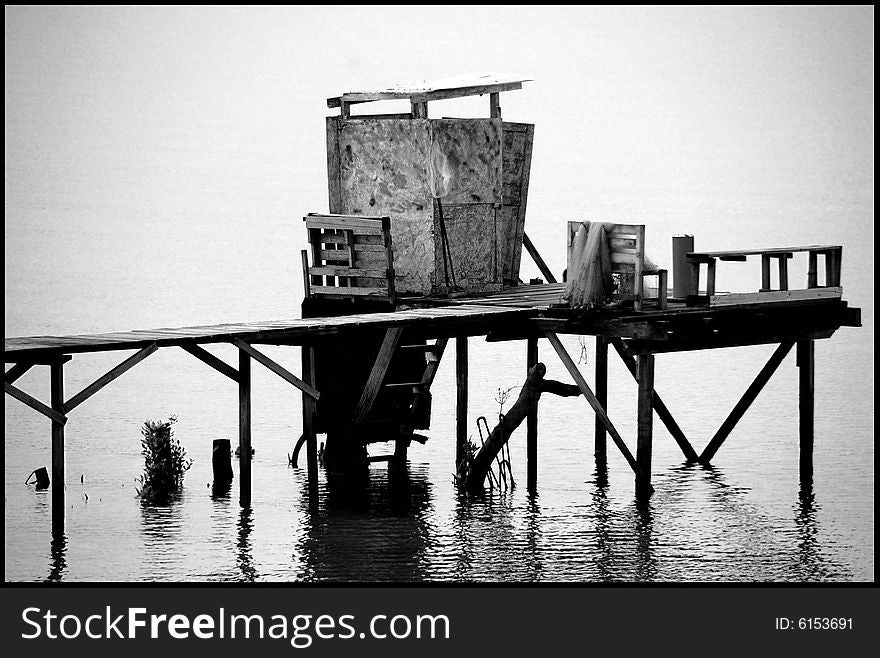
388,283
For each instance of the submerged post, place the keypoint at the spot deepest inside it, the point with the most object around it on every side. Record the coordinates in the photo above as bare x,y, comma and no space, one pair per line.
806,365
221,462
244,427
601,449
309,411
645,423
461,403
532,423
56,385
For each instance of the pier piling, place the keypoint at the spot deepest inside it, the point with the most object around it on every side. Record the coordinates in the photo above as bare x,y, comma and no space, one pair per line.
532,423
645,423
806,367
56,386
601,447
221,461
244,427
309,408
461,403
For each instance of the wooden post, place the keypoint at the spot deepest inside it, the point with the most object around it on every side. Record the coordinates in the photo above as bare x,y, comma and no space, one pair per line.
783,272
461,402
309,410
812,275
307,287
221,461
833,259
494,105
710,277
600,450
591,400
531,423
645,423
659,406
806,367
695,276
765,272
244,427
56,385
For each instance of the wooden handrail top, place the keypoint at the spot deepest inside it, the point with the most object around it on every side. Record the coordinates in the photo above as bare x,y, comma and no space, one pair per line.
740,254
319,215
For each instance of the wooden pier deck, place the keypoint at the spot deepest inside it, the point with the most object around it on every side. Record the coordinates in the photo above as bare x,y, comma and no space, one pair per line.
528,312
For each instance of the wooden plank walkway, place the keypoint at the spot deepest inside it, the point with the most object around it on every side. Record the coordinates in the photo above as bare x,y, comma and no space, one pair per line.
461,318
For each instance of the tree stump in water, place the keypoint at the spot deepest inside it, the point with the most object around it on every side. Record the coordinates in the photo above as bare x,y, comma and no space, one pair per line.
526,402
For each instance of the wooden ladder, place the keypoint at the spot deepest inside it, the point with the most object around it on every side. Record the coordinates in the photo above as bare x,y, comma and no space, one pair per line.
411,414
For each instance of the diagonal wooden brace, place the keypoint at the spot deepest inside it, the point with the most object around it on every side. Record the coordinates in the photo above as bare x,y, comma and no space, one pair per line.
34,403
658,404
594,403
746,401
217,364
16,371
377,376
108,377
282,372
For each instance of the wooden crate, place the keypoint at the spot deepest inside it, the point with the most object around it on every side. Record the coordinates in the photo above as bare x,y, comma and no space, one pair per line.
351,257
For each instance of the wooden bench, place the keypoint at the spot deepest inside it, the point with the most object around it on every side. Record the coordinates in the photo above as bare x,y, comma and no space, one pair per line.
832,255
351,257
627,246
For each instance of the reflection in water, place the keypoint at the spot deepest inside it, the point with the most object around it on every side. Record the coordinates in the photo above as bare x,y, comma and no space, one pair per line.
244,557
58,559
463,559
373,527
533,539
760,544
221,490
811,564
161,525
642,518
601,517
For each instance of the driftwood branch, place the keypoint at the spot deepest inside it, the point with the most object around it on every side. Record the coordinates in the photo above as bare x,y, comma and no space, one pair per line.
527,401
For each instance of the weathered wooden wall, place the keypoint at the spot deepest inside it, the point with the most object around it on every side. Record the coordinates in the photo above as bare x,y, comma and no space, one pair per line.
383,170
516,166
396,166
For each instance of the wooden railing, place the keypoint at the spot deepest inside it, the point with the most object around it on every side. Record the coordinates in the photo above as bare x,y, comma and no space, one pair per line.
832,255
351,257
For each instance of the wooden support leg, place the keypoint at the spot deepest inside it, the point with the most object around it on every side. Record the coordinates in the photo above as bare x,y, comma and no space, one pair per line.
309,411
591,400
244,427
601,447
461,403
765,272
532,423
806,367
645,422
745,401
659,406
56,385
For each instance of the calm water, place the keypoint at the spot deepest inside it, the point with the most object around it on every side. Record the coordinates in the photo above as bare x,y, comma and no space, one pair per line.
157,166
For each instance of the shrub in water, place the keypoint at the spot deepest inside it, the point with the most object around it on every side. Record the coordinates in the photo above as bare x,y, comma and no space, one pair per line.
165,461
